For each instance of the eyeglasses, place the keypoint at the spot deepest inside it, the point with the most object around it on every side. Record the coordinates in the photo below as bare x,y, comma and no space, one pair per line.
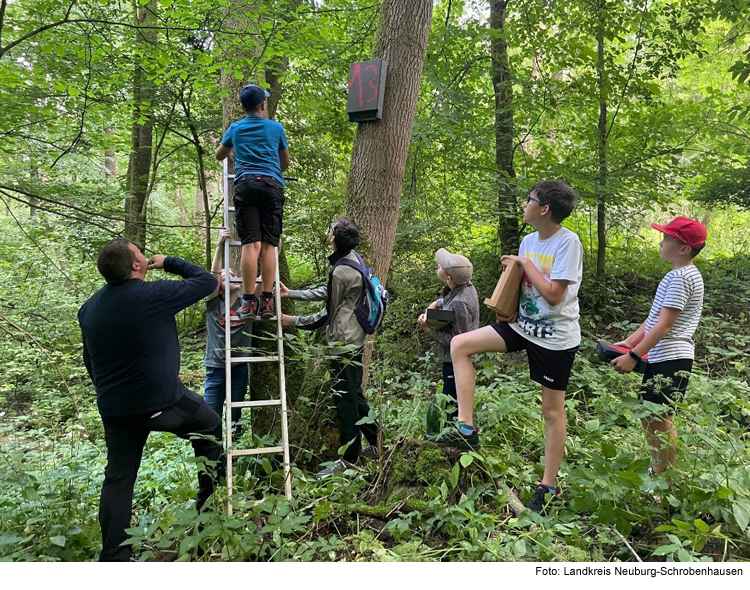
537,201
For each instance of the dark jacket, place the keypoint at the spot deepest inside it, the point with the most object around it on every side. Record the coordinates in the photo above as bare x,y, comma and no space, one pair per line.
130,344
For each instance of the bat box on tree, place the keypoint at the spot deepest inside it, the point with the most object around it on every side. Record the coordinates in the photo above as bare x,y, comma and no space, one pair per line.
366,90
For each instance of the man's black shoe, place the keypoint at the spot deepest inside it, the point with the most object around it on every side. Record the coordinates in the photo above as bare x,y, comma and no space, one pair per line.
542,496
456,438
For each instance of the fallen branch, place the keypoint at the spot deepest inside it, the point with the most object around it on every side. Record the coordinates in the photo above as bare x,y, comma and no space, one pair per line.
624,540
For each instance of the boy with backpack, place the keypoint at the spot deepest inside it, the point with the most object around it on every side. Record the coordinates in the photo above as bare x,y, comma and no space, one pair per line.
667,336
262,155
345,297
546,327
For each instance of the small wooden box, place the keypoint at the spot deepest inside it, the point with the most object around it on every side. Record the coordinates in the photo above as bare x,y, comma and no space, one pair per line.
439,318
505,298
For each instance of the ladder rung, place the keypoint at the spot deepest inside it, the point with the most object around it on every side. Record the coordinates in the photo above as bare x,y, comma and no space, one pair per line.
254,359
230,208
235,243
230,175
262,451
261,403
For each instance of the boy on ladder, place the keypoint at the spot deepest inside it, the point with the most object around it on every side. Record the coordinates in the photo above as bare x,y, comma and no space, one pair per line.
262,155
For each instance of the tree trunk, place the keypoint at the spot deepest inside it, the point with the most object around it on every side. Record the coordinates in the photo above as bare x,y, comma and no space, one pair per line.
381,148
502,82
139,166
601,207
110,162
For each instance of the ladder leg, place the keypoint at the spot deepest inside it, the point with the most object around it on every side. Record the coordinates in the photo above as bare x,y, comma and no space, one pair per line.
282,387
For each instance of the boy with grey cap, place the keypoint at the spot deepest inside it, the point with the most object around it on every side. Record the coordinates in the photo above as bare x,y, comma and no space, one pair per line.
262,154
460,297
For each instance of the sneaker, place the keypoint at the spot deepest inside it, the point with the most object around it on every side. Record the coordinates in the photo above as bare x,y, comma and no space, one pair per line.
459,436
651,472
540,498
266,308
336,467
248,311
371,452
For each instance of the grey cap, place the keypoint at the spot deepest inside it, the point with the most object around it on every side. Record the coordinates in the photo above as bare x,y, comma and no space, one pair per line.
457,267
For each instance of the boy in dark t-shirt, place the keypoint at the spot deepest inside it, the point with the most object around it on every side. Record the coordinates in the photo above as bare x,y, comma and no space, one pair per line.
667,335
262,155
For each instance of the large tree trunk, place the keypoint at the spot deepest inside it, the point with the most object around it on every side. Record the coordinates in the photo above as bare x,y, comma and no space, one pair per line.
381,148
502,82
601,207
139,166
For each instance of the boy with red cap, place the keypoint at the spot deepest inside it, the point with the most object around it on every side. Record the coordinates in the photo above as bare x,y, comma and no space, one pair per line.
667,335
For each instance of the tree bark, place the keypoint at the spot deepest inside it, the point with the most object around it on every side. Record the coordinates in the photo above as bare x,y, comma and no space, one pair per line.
601,206
381,148
139,166
110,162
502,83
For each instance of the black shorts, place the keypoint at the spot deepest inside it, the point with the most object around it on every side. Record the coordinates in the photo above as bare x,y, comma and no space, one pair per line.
550,368
259,208
662,385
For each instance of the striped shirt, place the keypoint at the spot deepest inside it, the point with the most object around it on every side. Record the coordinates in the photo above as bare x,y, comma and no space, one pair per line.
681,289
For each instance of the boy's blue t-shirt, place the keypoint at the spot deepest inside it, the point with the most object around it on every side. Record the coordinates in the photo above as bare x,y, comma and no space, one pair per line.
256,142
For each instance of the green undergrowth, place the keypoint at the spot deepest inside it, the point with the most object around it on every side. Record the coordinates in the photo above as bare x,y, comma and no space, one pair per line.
430,505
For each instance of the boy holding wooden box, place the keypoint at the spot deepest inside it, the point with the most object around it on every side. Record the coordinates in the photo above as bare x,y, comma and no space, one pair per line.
546,326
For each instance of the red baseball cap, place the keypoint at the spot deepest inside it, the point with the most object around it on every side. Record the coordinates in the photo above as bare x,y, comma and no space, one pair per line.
687,230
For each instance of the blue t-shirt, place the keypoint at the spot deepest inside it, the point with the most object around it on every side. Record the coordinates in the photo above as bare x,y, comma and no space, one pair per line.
256,142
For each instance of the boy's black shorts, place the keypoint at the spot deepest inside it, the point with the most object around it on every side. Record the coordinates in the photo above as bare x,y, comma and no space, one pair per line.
259,208
662,385
550,368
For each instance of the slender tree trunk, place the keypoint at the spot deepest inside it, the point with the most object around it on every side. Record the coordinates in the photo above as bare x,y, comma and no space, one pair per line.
110,162
502,82
601,207
381,148
139,166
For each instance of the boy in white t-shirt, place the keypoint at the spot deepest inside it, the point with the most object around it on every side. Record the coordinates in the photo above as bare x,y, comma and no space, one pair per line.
667,335
546,326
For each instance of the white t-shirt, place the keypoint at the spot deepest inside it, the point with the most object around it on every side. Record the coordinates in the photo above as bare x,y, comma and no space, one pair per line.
681,289
559,257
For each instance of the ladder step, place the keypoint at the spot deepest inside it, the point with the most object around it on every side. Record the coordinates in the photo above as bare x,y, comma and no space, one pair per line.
230,175
261,451
261,403
235,243
254,359
230,208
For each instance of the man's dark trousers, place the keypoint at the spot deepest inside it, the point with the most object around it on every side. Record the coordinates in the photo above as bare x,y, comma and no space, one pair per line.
190,418
351,404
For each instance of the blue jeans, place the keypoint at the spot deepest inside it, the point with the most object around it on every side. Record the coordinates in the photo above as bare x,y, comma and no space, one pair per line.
214,392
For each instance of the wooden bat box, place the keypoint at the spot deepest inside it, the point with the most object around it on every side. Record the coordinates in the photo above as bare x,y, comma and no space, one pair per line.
504,300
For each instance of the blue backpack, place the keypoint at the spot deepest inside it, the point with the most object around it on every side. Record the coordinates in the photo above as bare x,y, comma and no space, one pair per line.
371,309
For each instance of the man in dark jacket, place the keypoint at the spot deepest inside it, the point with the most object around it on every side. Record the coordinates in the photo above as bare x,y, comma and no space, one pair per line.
132,354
